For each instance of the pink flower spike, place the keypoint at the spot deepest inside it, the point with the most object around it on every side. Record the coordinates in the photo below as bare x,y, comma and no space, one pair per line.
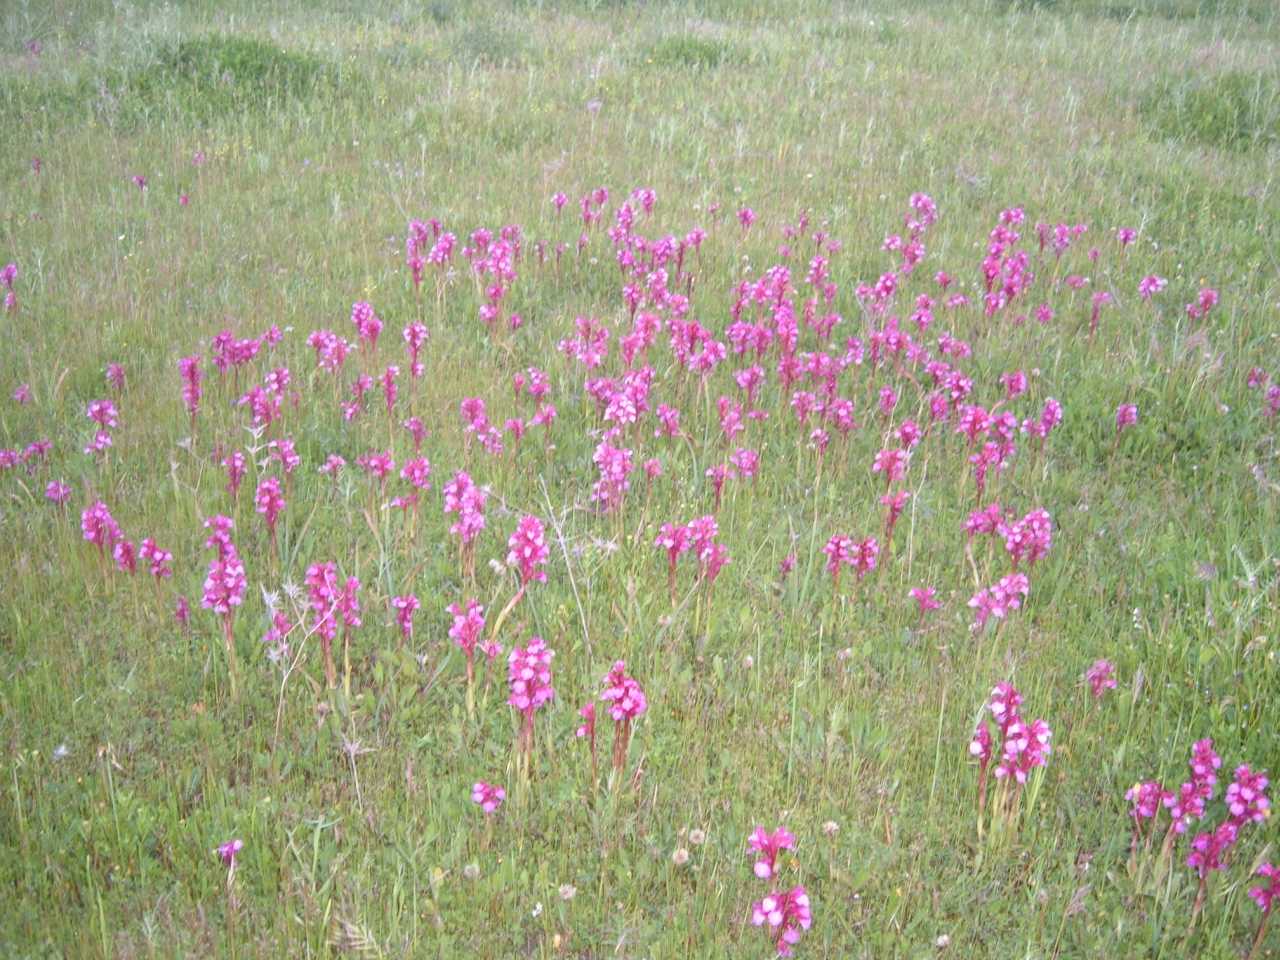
488,796
1264,896
228,851
1101,677
769,845
787,914
527,549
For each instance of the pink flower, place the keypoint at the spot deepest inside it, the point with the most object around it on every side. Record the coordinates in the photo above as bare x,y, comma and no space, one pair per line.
225,584
189,369
527,549
22,394
746,217
1101,677
1204,762
1246,796
57,491
1263,896
159,559
587,728
367,323
405,607
182,611
1126,416
103,412
269,501
1146,799
529,676
925,598
125,556
1209,850
1150,285
115,376
623,694
99,527
236,466
228,851
787,914
488,796
769,845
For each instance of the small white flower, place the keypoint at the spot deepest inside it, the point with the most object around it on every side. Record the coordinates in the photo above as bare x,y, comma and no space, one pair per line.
537,909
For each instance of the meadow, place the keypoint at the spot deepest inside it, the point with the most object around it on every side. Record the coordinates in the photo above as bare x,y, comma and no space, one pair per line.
639,480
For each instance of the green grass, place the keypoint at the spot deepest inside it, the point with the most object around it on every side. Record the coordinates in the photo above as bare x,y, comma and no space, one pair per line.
325,128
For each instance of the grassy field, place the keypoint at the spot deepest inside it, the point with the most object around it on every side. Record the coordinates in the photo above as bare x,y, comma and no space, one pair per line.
173,170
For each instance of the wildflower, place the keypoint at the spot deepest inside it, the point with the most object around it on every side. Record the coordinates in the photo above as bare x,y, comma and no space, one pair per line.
626,701
189,369
57,492
125,556
769,845
697,837
1264,896
925,598
1150,285
22,394
228,851
1126,416
527,549
405,607
1246,796
529,676
236,467
1209,850
787,914
680,856
367,323
1146,799
269,502
99,527
1101,677
488,796
182,611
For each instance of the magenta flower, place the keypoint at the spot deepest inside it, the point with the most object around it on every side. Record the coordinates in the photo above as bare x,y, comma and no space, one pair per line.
488,796
1209,850
1101,677
1145,799
1264,896
405,607
125,555
529,676
925,598
527,549
626,701
588,726
768,846
1246,796
1126,416
228,851
189,369
57,491
99,527
22,394
269,502
1204,763
367,323
324,594
787,915
103,413
115,376
468,625
1150,285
